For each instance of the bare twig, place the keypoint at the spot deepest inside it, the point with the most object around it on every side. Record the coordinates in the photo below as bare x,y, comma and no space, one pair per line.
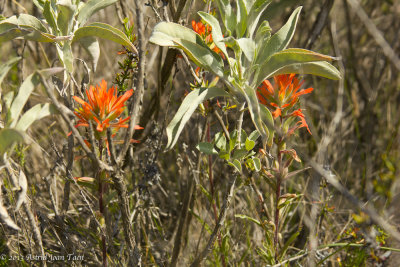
357,204
319,23
136,105
221,122
375,33
134,253
220,222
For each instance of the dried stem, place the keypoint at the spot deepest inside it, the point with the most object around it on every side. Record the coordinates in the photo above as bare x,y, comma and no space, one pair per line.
136,105
220,222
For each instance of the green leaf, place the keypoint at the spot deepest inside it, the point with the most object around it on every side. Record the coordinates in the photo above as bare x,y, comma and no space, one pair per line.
25,91
92,47
286,57
254,15
203,57
291,239
175,35
249,144
185,111
50,16
320,68
91,7
168,33
5,67
280,39
257,164
248,47
104,31
220,141
65,17
254,135
245,217
23,94
26,20
236,164
67,56
24,25
267,122
255,113
239,153
227,14
207,148
241,18
37,112
263,34
8,137
8,98
216,31
12,34
224,155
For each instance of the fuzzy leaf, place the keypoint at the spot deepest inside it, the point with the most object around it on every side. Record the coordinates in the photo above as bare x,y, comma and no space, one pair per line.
227,14
248,47
280,39
8,137
320,68
91,7
207,148
175,35
5,67
241,18
35,113
287,57
65,17
216,31
237,165
92,47
249,144
254,15
104,31
185,111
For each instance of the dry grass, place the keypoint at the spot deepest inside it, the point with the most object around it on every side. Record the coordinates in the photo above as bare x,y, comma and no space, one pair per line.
355,125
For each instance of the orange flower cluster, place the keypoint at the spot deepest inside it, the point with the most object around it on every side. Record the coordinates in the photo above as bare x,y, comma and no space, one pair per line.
103,108
205,33
282,96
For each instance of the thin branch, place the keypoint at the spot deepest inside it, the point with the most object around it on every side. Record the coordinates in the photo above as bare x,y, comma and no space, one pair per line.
375,33
136,106
221,122
357,204
220,222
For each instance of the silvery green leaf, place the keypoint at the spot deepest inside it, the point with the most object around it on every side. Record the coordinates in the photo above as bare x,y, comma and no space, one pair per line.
91,7
187,108
279,40
92,47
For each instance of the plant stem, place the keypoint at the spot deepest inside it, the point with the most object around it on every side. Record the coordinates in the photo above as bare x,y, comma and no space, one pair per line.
210,175
277,196
101,206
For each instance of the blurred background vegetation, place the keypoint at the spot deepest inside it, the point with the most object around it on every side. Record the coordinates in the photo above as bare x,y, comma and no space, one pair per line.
355,136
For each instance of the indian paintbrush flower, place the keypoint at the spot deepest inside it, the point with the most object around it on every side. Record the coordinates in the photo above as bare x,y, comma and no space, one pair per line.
282,96
103,109
205,33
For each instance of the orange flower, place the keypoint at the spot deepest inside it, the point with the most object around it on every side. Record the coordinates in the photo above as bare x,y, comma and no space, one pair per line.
199,28
283,95
205,33
103,108
299,124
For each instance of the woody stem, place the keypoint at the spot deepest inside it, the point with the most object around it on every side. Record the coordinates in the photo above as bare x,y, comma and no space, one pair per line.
101,207
277,196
